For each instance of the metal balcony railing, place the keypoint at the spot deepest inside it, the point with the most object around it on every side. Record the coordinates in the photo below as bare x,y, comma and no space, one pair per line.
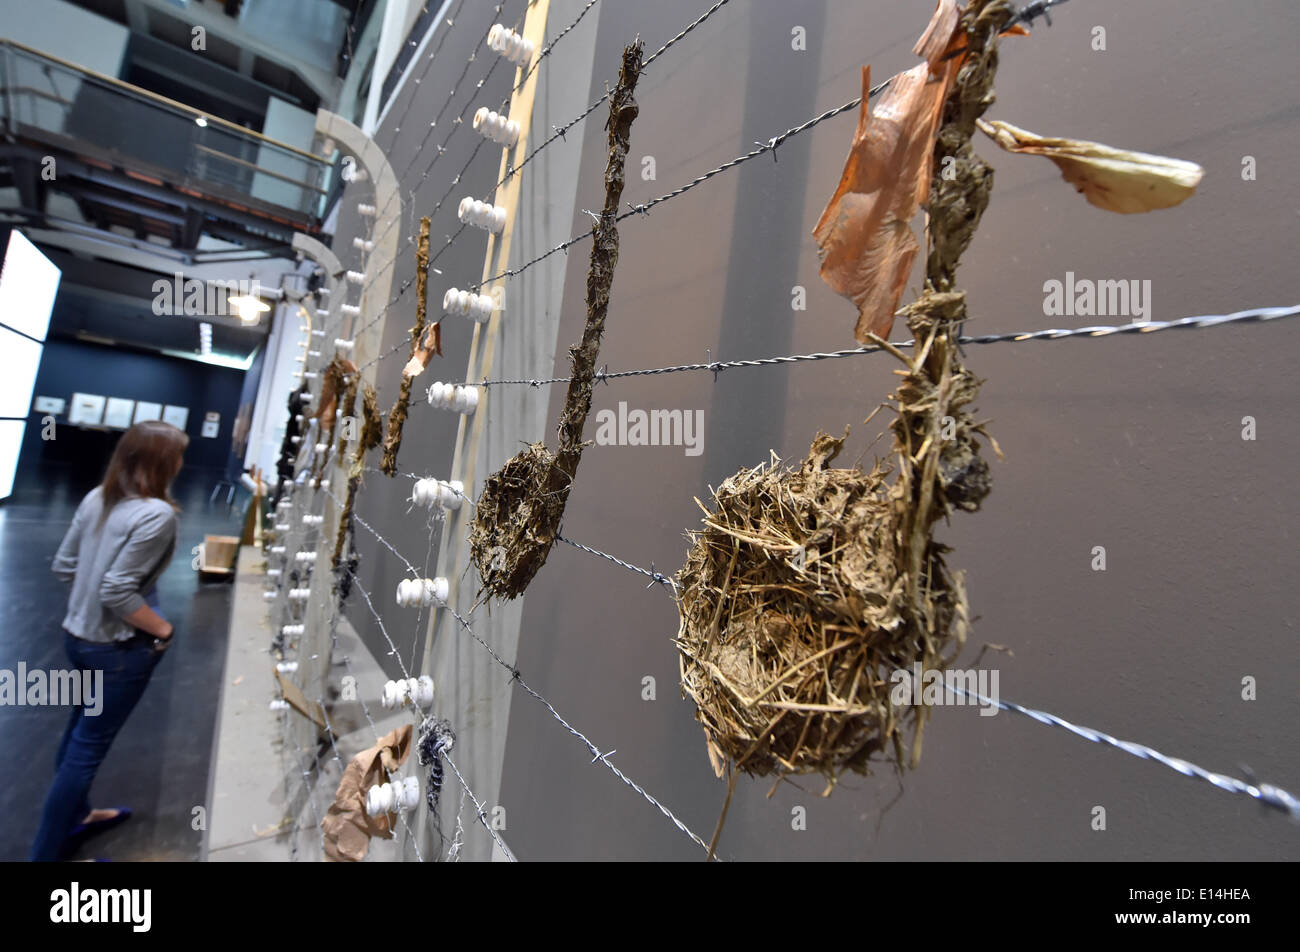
56,104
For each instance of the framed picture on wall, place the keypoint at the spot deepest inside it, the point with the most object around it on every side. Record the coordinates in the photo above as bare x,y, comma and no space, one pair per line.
87,409
144,410
117,413
176,416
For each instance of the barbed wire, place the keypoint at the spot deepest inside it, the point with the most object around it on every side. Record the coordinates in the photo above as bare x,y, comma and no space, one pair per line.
513,170
516,677
597,755
644,208
1267,794
405,285
650,574
1252,316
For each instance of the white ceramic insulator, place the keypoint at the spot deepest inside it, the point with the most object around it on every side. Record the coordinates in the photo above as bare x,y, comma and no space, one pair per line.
510,44
401,795
422,591
321,314
366,211
318,332
356,277
325,484
274,573
361,244
278,550
287,667
446,396
321,447
350,310
418,691
281,526
482,214
279,704
268,596
304,557
477,307
305,399
291,630
310,374
299,594
313,353
344,345
492,125
285,503
310,520
436,492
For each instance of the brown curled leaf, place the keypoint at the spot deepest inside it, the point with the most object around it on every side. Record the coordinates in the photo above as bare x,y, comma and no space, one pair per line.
864,236
1114,179
428,346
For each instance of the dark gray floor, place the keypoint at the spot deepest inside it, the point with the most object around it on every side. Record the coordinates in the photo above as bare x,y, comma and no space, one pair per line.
159,763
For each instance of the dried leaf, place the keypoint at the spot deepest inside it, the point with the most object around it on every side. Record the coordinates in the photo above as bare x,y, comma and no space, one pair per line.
1113,179
347,826
864,236
429,345
934,42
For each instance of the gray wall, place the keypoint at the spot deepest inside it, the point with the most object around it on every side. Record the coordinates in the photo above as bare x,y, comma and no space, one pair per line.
1129,443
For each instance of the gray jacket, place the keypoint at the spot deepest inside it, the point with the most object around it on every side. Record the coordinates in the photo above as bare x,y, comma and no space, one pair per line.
112,565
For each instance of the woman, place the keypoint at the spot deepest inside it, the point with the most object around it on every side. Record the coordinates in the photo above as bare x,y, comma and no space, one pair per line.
121,540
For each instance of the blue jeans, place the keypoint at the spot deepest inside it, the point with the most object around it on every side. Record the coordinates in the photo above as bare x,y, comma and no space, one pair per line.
127,667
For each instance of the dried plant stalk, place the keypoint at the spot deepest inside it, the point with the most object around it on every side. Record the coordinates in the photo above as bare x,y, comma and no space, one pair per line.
518,514
397,416
372,434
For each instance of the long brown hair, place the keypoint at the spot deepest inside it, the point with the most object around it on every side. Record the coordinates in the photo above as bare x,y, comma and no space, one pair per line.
144,463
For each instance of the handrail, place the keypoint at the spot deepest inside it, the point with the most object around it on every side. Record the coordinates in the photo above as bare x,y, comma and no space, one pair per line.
260,170
170,103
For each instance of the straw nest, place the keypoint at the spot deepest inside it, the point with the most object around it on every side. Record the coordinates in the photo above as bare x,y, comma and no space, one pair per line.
794,612
516,520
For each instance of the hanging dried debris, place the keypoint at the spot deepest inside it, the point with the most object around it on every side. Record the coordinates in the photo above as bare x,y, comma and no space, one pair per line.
807,588
335,384
1114,179
372,434
518,514
347,828
397,416
864,236
349,408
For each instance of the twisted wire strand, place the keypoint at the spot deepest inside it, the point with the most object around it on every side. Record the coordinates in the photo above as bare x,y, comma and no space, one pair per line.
1251,316
1270,796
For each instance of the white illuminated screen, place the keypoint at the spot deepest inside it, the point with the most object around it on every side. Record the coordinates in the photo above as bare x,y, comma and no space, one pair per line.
28,283
19,359
11,442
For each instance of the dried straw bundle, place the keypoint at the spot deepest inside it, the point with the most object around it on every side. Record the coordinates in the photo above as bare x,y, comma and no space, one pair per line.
794,612
807,589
